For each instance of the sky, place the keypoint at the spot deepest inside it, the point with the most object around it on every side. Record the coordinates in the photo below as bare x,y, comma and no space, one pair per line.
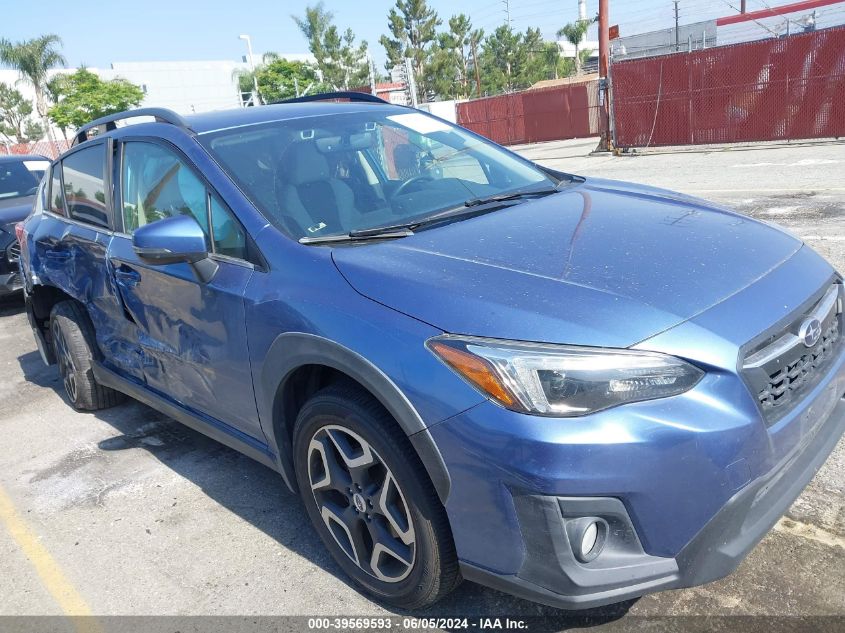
96,33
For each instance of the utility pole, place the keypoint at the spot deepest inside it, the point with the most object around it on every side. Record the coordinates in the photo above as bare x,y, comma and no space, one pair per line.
677,27
604,71
604,37
742,6
507,11
477,71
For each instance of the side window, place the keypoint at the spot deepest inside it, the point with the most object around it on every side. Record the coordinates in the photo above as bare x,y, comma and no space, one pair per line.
229,237
41,197
84,186
156,184
57,203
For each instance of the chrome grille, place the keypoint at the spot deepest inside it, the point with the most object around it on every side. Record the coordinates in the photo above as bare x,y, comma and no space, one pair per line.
802,371
783,368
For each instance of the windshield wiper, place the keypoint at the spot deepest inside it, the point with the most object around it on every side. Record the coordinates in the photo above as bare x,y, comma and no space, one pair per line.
386,233
479,206
473,206
504,197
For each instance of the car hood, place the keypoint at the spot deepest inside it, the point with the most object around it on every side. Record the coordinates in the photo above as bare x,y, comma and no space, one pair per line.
13,210
602,263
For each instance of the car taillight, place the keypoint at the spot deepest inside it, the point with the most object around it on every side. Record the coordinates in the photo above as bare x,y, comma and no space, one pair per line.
20,233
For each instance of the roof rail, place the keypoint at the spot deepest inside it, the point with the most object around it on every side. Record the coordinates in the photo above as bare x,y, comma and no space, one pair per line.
162,115
363,97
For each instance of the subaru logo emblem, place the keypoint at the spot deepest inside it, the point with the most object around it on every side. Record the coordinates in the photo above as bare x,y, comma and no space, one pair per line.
359,502
810,332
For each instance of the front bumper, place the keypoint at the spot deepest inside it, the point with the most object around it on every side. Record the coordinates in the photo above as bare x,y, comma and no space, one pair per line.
687,485
550,574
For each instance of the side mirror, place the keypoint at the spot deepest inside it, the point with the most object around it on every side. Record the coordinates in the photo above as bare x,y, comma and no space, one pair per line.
175,240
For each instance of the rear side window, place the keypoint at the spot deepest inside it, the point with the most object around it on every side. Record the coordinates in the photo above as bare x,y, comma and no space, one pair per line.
84,185
57,201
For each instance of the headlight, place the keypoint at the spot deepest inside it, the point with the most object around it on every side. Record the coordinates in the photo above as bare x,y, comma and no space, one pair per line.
560,380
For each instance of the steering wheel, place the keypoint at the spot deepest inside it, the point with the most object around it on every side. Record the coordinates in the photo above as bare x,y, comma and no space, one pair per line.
405,185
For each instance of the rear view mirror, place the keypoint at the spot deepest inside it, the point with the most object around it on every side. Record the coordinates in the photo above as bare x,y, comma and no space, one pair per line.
175,240
353,142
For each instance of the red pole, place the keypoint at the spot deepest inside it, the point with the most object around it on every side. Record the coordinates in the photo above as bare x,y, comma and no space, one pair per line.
604,62
604,37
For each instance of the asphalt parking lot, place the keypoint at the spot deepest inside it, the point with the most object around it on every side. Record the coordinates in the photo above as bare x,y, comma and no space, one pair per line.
128,513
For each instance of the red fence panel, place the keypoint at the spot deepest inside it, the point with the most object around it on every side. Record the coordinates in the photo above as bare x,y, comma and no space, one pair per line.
533,116
777,89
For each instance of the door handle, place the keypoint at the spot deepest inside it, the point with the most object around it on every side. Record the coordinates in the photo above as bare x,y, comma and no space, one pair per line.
127,276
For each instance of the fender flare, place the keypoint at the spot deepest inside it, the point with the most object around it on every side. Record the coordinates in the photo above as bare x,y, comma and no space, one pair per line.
292,350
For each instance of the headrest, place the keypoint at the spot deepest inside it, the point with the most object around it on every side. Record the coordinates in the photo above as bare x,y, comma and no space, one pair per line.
303,164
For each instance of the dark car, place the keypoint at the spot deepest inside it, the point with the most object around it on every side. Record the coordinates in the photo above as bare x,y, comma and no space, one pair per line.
468,365
19,178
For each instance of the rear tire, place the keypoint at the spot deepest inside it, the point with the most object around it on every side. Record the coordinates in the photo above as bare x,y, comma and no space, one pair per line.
370,499
74,345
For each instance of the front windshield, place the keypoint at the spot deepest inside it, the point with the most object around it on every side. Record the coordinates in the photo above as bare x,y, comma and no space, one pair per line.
20,178
330,175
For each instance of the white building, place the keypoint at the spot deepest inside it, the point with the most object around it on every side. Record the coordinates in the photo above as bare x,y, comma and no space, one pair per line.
183,86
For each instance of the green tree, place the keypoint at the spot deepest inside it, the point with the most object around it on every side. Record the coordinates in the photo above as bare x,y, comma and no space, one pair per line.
451,67
537,58
557,66
33,59
245,78
280,79
245,81
413,26
342,62
314,25
16,123
574,33
83,97
513,61
503,58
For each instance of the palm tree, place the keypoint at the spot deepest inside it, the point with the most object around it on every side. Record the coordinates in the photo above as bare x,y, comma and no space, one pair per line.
574,33
33,59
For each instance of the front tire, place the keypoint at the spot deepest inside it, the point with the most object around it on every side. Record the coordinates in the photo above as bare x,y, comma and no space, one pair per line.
75,347
370,499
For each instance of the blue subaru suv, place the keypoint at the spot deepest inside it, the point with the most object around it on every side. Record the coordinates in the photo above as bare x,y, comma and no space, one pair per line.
469,366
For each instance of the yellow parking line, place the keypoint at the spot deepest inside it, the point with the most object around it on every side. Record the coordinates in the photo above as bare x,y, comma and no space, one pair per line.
45,565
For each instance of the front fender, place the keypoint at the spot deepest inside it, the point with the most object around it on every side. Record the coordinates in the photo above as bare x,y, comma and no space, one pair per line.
293,350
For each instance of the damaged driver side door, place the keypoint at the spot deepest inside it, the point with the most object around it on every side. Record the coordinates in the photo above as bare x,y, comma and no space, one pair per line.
191,334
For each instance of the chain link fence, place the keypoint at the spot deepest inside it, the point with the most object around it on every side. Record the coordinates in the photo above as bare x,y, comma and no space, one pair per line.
533,116
788,88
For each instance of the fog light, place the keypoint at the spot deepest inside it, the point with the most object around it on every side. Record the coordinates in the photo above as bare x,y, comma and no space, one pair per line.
588,540
587,537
